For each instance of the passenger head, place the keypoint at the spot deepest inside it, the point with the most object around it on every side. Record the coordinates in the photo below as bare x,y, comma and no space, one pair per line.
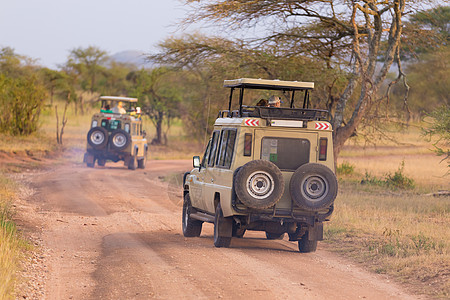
274,101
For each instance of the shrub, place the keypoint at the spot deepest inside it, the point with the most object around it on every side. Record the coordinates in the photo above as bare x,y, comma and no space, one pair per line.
21,99
398,180
345,169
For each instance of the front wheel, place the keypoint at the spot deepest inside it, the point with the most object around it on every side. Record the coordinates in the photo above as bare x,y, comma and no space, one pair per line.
132,163
223,228
191,227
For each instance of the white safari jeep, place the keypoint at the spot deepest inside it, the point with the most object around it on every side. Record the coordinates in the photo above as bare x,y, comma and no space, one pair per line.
265,168
116,134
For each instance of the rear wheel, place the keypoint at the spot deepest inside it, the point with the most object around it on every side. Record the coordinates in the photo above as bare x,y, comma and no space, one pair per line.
223,228
142,162
101,162
191,227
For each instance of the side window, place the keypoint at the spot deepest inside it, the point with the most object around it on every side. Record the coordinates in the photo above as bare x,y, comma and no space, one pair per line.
206,155
226,148
214,142
134,129
287,154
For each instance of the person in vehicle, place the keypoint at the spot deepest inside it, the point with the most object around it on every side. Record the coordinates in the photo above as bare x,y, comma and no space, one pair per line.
274,101
262,102
118,109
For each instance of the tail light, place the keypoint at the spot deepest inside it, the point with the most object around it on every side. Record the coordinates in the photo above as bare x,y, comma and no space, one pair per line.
323,143
248,144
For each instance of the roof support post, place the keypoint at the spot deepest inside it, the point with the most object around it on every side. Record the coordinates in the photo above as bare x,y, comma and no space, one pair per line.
229,103
241,97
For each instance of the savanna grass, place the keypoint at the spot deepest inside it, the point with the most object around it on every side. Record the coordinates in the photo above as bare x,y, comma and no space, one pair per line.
399,233
10,243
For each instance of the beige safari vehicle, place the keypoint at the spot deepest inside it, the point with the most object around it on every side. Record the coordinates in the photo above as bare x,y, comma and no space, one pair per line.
116,134
265,168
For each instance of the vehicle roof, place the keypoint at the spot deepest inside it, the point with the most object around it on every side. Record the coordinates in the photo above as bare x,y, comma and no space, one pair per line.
268,84
115,98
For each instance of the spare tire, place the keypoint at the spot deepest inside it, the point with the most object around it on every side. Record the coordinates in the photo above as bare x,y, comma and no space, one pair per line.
97,137
259,184
313,186
119,140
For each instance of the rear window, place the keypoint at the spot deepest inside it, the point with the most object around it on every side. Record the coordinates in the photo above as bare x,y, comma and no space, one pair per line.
111,124
286,153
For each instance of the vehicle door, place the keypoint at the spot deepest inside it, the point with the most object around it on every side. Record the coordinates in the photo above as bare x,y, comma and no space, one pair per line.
209,187
198,180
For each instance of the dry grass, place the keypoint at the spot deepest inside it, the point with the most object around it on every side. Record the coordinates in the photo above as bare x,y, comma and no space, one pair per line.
401,233
11,246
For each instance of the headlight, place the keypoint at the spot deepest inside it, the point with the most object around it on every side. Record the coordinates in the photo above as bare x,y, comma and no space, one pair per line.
94,123
127,128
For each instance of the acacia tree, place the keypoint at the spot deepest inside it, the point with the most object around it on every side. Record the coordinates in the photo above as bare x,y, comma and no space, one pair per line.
204,62
355,36
157,96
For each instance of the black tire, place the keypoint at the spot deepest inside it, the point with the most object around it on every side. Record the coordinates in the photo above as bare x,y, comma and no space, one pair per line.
274,236
190,226
119,140
90,160
101,162
97,138
132,163
313,186
143,161
223,228
305,245
259,184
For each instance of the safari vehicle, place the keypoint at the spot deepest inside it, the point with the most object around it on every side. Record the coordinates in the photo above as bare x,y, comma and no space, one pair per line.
265,168
116,134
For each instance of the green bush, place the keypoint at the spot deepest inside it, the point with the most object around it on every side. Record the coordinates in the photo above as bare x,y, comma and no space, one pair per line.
21,99
345,169
397,181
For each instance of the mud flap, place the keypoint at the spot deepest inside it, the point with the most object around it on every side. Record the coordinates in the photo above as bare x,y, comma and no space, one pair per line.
315,232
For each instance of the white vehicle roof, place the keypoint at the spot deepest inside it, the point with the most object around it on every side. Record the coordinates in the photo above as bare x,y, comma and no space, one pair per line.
114,98
268,84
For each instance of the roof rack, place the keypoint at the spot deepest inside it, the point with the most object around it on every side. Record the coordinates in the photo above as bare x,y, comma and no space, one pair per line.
115,98
291,113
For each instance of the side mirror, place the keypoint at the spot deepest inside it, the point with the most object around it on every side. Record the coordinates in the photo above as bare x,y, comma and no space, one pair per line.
196,161
144,133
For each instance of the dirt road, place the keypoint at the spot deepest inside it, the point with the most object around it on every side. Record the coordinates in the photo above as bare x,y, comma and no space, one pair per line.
111,233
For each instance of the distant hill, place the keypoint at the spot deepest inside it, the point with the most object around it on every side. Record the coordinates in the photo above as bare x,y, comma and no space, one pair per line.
137,58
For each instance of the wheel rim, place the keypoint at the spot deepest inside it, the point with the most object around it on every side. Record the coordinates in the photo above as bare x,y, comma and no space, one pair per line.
119,140
314,188
97,137
260,185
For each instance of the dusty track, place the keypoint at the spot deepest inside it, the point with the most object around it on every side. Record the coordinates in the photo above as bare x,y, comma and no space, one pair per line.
111,233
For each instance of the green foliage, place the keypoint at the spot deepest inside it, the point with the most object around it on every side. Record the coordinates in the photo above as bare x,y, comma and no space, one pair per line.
22,99
345,168
440,128
158,97
398,180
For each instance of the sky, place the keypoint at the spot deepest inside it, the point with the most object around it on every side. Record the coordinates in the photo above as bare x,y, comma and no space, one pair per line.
48,29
